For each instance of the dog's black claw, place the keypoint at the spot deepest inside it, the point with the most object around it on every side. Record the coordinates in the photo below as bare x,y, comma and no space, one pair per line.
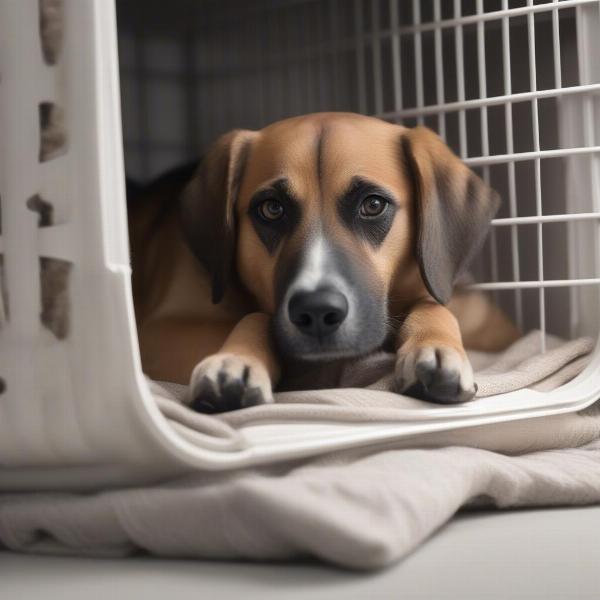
438,385
231,391
426,372
205,396
253,397
226,394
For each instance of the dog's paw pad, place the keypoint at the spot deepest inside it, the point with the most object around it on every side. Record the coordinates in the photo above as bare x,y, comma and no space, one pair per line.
441,375
225,382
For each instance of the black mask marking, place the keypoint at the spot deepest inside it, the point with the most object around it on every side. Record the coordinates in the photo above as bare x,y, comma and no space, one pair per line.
372,228
272,232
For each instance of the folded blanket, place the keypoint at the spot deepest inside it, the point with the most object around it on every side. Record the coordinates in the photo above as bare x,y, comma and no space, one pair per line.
362,508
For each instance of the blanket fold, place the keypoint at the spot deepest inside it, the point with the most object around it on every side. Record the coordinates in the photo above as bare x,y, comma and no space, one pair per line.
361,512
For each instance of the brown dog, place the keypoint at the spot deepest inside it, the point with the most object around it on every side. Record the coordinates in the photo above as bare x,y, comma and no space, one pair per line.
317,239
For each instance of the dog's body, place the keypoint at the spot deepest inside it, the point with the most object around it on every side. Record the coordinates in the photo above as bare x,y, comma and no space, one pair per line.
310,242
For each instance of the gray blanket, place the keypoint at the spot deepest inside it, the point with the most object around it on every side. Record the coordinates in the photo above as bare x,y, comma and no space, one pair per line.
362,508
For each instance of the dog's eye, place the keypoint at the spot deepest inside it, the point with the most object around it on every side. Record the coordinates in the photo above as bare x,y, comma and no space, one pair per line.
372,206
271,210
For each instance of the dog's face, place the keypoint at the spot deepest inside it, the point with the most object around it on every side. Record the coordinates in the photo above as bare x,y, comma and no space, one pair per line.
330,221
324,218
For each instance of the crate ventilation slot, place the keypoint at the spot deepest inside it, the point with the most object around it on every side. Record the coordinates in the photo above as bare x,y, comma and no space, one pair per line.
51,29
54,279
53,135
43,208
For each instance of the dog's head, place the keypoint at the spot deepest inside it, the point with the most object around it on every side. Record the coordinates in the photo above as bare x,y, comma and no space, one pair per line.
332,220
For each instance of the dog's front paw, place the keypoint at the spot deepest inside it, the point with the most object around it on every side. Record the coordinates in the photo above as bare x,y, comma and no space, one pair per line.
223,382
435,374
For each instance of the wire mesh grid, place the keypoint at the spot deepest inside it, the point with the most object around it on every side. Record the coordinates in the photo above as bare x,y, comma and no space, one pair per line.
511,85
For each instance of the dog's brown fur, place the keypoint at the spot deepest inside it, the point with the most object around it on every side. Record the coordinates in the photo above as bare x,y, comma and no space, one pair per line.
442,214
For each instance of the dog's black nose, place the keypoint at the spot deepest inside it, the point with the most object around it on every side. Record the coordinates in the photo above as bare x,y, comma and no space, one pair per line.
318,313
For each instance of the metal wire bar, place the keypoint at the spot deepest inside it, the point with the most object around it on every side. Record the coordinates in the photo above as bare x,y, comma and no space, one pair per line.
537,174
563,218
512,187
396,55
491,101
377,71
556,46
523,156
460,81
473,161
587,41
418,46
485,142
439,70
524,285
360,56
335,54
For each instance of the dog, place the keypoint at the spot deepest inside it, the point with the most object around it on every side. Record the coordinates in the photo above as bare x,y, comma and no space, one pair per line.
314,241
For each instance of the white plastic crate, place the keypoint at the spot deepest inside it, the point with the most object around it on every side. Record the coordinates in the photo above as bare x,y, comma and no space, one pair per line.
512,86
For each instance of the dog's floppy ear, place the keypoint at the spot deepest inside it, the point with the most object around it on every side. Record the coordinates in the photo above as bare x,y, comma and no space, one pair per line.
208,207
453,209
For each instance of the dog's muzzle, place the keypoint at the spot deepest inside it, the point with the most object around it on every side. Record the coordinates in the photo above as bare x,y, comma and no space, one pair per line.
327,308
